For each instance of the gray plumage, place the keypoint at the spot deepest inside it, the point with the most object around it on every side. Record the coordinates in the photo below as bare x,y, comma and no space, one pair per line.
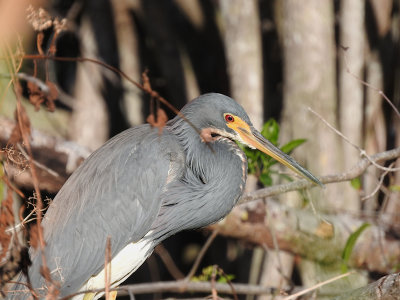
143,187
141,181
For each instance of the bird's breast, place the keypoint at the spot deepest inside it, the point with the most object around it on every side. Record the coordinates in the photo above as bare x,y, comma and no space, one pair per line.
236,154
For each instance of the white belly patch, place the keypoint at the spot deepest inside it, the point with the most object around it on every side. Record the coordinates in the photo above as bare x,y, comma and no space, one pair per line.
127,261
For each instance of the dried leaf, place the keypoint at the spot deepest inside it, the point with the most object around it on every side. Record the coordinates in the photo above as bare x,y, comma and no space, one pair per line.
162,119
52,96
36,100
36,96
33,87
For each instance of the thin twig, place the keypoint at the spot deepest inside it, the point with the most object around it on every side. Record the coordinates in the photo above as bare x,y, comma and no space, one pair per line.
213,279
12,186
235,297
363,153
43,86
378,186
152,93
352,173
169,262
25,137
181,286
201,254
305,291
107,268
28,290
22,223
379,91
38,164
131,295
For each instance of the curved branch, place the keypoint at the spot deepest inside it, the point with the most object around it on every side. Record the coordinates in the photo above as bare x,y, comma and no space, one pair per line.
201,286
182,286
354,172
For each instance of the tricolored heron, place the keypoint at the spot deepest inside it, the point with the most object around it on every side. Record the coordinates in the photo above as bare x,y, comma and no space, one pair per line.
141,187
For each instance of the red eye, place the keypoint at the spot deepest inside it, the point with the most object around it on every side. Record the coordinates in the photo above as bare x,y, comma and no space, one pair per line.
229,118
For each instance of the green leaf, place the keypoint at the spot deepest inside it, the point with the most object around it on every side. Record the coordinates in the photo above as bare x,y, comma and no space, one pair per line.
225,278
356,183
266,179
395,188
351,241
270,131
207,273
259,163
289,147
264,159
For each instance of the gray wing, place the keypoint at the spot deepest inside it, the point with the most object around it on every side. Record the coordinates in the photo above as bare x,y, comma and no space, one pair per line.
115,193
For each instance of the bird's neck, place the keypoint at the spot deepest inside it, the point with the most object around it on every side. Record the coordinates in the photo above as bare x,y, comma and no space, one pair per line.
215,175
206,156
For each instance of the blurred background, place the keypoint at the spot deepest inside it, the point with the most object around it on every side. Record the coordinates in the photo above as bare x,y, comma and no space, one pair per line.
278,58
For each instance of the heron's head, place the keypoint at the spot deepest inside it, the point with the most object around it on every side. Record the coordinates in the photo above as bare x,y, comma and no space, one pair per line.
217,115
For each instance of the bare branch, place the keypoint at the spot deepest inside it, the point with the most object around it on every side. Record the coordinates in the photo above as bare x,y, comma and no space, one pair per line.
352,173
182,286
201,254
362,151
378,186
380,92
107,268
305,291
168,262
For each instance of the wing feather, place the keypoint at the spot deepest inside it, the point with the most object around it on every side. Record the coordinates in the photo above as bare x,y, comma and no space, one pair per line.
115,193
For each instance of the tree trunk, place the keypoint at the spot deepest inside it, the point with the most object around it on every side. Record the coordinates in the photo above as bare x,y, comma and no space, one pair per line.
128,53
351,95
242,36
89,120
310,81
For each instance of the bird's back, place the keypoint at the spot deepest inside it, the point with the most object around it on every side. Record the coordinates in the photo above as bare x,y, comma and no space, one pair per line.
109,195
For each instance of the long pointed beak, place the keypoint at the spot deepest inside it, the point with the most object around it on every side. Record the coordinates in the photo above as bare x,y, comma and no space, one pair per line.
255,139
